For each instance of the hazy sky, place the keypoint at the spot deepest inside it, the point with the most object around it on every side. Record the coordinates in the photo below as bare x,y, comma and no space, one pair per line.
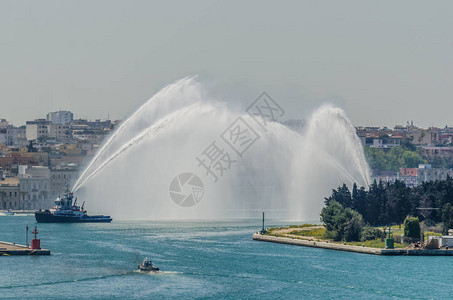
384,62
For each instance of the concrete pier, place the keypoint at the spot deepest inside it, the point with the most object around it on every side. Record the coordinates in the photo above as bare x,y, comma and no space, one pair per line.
358,249
16,249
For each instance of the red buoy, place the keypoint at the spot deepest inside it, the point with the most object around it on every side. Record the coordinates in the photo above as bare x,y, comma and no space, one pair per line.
35,243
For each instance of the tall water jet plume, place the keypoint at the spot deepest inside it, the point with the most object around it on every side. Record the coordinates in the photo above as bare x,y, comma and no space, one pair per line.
156,154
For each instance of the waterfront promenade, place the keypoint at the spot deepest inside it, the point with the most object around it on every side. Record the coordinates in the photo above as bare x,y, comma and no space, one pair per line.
350,248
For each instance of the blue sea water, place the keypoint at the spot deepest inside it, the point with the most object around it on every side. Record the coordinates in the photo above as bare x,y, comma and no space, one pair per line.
216,260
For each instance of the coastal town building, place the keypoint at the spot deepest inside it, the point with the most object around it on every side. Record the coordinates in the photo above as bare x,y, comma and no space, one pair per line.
39,159
95,132
9,193
62,117
433,136
35,186
10,135
36,129
4,124
41,129
427,173
16,136
62,177
409,172
10,161
413,176
386,141
59,132
443,152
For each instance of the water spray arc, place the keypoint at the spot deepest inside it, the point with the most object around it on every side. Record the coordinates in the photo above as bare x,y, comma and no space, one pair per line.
150,106
285,173
153,129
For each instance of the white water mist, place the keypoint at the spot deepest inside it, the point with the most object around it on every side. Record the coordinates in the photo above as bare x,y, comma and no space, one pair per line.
284,173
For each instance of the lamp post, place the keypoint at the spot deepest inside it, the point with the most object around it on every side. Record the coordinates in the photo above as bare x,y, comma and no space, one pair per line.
389,242
26,235
35,243
263,230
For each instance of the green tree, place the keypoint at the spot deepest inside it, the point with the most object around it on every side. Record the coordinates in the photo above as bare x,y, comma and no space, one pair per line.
384,136
376,158
398,200
341,223
376,211
333,219
359,199
411,159
395,159
390,203
353,225
412,227
406,156
407,144
447,218
371,233
342,195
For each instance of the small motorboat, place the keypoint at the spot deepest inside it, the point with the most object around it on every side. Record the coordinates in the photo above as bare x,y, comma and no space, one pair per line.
147,266
8,213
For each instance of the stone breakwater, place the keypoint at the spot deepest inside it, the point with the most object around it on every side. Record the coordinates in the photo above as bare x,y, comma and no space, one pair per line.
358,249
16,249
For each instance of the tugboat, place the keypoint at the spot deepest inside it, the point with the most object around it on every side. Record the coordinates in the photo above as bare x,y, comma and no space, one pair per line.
147,266
65,211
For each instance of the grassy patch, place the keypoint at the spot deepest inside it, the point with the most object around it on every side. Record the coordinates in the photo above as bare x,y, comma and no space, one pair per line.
292,226
316,232
302,226
320,233
431,233
377,243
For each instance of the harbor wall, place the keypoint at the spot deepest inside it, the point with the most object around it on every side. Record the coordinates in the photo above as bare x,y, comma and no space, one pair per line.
350,248
16,249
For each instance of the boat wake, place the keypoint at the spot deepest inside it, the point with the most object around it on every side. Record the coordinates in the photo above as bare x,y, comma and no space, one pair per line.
156,273
65,281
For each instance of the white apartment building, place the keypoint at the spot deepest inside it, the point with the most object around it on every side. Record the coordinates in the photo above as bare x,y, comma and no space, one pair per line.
59,131
36,129
35,186
43,129
60,177
61,117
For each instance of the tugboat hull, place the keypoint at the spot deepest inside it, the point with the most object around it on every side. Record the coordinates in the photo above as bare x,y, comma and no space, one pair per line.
47,217
66,211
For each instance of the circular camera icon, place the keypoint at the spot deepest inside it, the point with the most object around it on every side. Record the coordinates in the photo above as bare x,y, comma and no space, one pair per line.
186,189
